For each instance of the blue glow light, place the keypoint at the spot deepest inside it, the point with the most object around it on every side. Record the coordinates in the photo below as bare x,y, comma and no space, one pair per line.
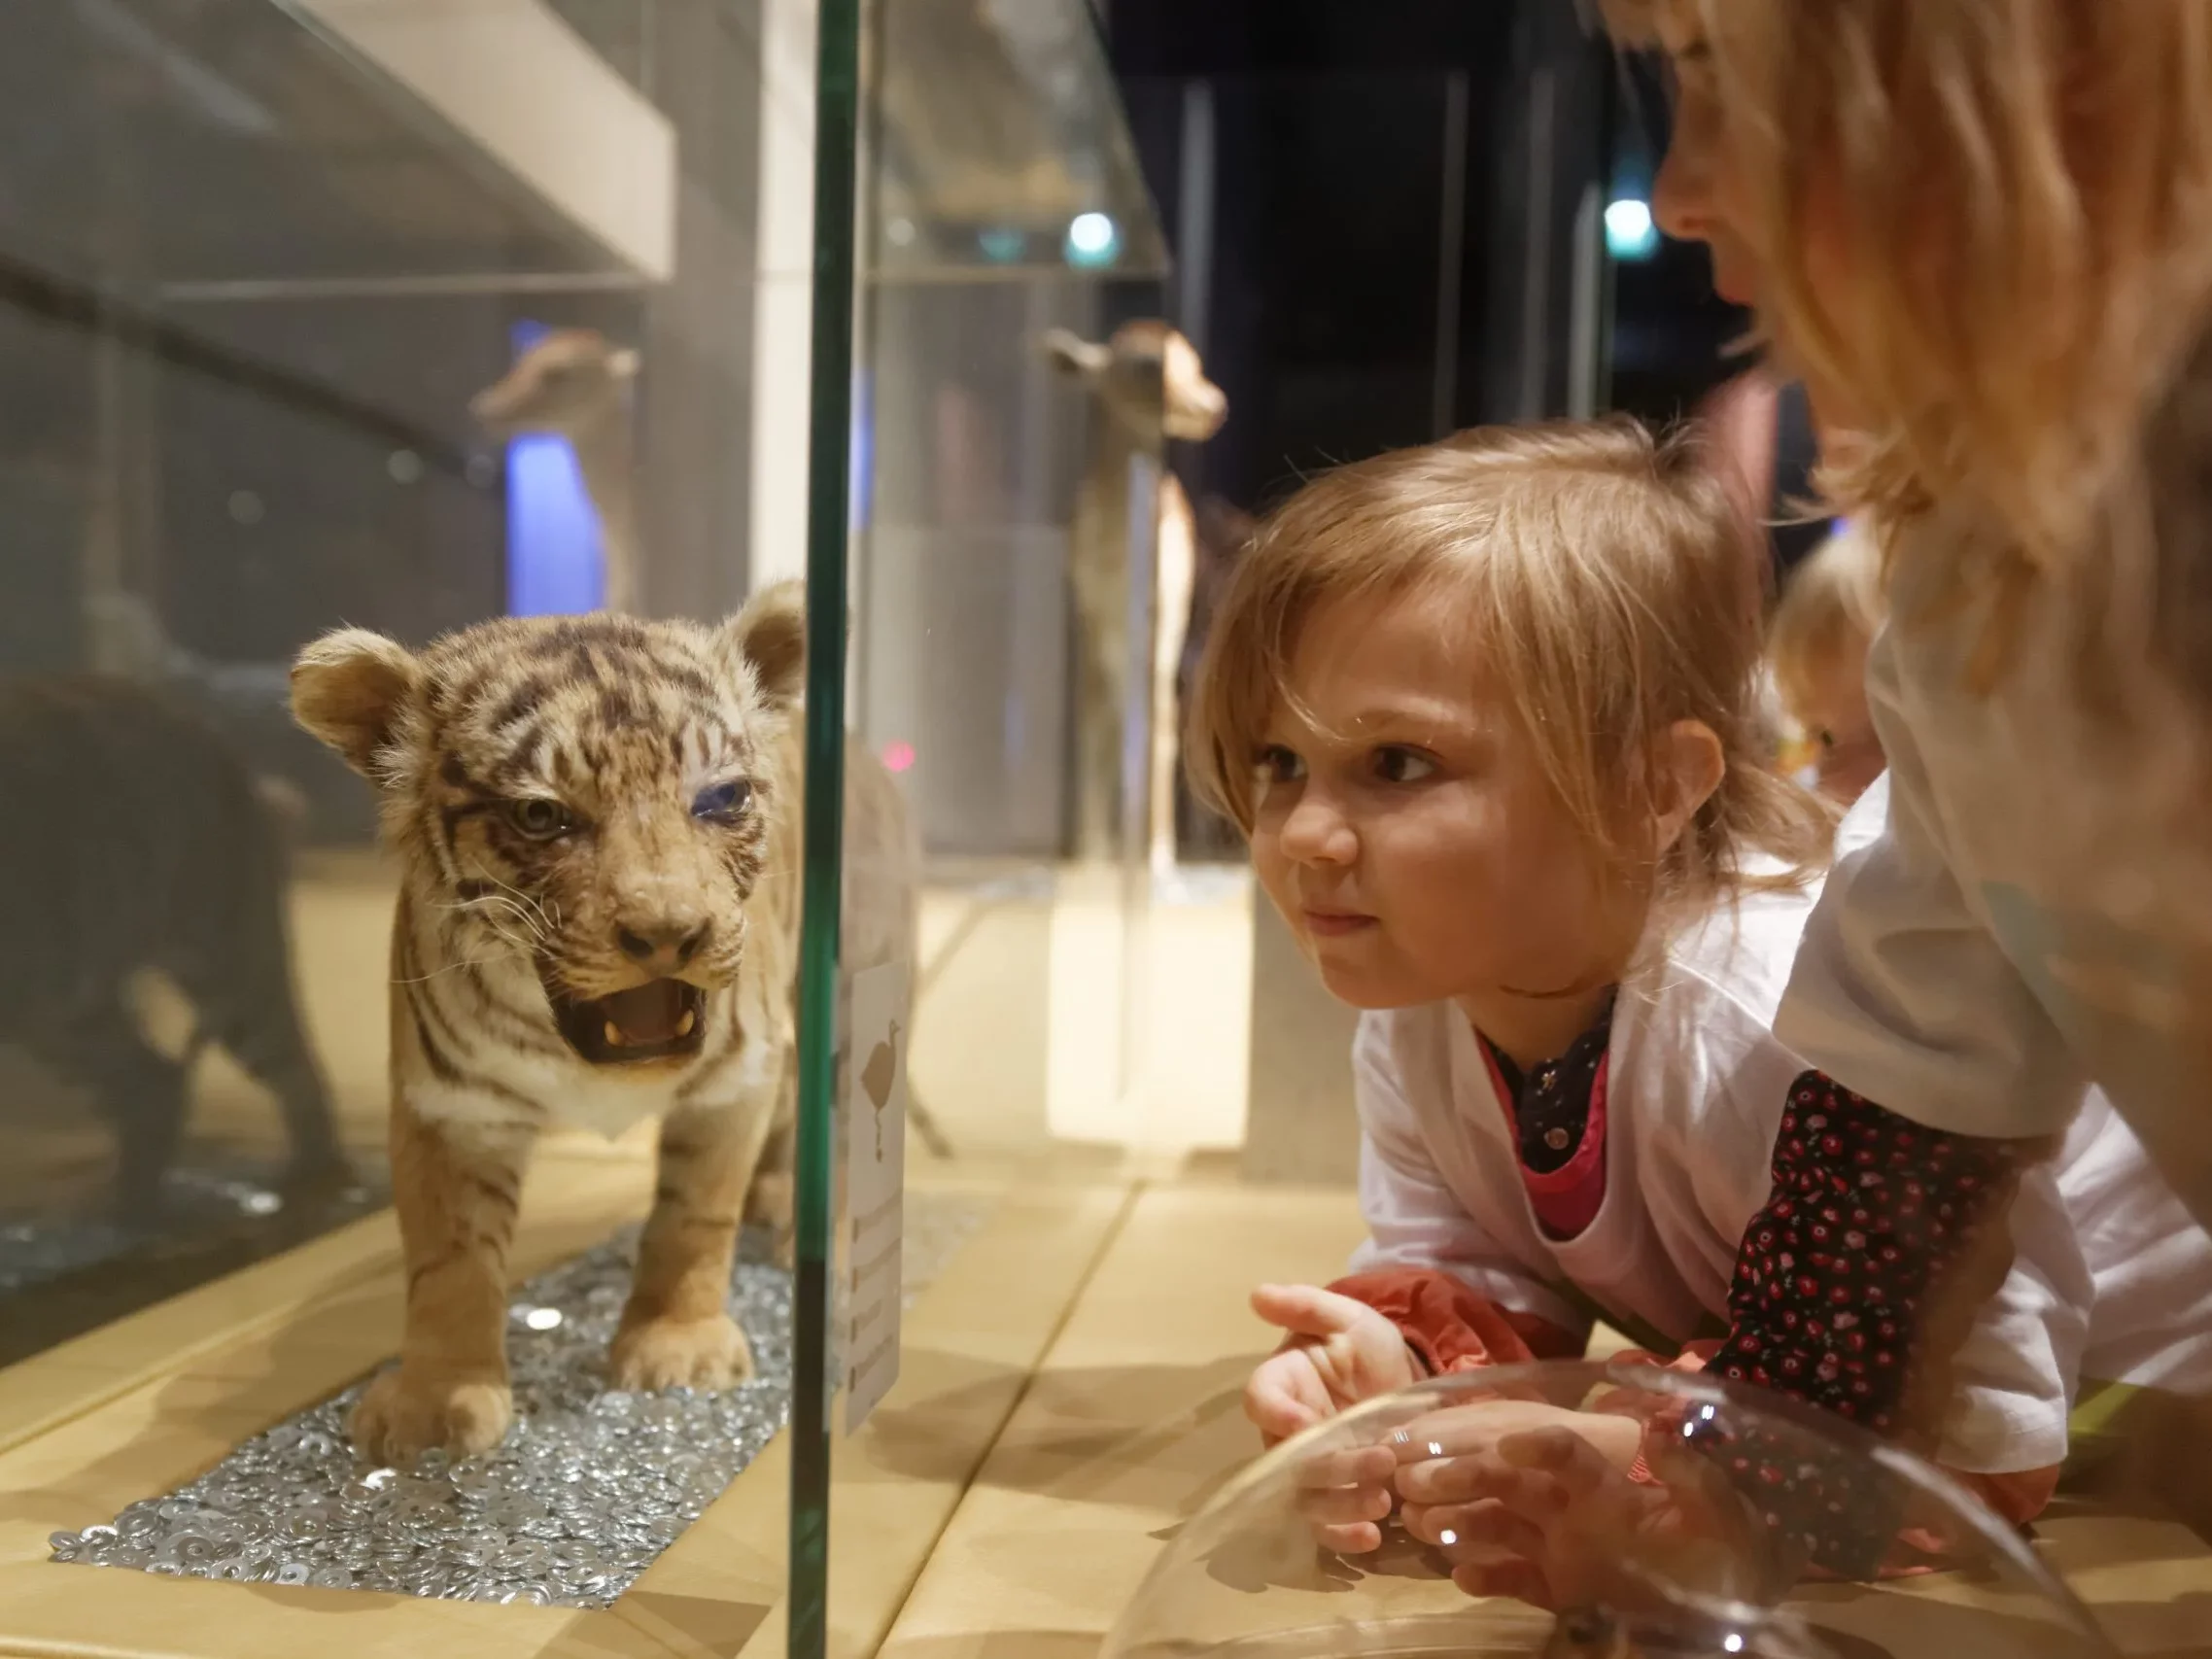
1093,239
1630,234
556,562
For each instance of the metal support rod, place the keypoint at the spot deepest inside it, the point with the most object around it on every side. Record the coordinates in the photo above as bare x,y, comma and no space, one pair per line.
837,130
1451,252
421,285
1194,217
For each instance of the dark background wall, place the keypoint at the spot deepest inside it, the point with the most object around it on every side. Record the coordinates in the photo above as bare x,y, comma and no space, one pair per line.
1366,244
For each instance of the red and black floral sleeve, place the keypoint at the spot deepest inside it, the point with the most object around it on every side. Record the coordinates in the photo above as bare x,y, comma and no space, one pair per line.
1854,1287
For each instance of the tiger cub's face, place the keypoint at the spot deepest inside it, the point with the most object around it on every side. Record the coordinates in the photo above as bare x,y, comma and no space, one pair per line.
592,796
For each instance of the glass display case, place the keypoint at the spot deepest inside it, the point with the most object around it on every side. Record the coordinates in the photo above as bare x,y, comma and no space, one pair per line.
368,364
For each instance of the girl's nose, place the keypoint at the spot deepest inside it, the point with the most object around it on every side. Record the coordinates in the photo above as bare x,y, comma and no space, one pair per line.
1317,832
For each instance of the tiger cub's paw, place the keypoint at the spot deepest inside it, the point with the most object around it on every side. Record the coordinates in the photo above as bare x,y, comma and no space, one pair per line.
404,1414
680,1353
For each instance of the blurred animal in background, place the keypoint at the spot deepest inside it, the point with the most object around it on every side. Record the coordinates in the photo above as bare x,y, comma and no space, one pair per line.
578,384
1225,530
1150,387
134,840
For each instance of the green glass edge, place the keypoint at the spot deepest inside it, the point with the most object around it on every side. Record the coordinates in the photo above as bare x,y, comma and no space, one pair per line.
837,133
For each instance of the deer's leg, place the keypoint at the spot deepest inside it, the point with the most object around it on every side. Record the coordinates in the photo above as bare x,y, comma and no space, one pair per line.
1172,623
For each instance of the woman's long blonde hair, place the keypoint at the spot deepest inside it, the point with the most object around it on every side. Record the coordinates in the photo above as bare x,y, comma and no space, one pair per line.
2019,194
2023,191
1598,583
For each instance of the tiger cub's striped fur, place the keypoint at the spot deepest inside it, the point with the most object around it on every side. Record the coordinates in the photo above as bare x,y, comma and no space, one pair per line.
598,825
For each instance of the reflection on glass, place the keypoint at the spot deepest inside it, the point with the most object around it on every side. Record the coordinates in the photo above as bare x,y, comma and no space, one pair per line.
1007,564
255,286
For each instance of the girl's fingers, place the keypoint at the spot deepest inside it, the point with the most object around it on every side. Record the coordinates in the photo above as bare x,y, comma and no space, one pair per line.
1345,1506
1307,1310
1352,1465
1274,1411
1533,1493
1445,1435
1518,1580
1473,1532
1581,1471
1360,1538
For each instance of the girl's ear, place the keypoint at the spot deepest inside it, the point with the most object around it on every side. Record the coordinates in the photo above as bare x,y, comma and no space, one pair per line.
1690,763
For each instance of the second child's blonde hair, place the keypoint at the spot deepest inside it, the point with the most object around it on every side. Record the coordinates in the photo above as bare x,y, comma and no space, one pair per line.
1831,608
1598,585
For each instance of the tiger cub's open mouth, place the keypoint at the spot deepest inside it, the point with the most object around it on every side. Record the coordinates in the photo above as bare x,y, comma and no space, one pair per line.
663,1019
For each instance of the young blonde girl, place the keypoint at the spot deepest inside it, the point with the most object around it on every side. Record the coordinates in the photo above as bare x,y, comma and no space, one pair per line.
1485,712
1982,231
1816,649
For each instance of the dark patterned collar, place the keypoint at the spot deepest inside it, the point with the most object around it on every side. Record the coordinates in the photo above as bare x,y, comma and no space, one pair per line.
1551,1102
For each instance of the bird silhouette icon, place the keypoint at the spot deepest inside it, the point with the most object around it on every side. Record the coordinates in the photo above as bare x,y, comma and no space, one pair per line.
877,1077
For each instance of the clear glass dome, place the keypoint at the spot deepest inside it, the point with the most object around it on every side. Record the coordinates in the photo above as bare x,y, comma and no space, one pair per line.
1764,1529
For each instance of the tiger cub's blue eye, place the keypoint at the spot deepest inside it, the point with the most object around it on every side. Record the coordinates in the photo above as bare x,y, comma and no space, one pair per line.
723,803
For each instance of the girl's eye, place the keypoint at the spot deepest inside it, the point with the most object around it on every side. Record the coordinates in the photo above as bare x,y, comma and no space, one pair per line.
1395,765
1278,764
540,820
724,803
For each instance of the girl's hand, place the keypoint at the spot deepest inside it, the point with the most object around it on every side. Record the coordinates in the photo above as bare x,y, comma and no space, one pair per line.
1434,1451
1340,1352
1549,1515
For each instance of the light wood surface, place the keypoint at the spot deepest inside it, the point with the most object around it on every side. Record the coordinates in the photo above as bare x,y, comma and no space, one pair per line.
1302,1130
1069,1400
129,1411
1133,1425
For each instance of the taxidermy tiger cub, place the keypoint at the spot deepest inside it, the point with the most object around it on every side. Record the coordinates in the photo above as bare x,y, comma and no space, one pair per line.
135,840
598,825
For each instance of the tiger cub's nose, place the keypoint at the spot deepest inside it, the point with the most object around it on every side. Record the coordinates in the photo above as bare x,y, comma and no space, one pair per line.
662,944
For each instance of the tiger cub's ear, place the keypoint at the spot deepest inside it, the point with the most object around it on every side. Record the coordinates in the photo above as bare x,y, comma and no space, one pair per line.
770,636
349,689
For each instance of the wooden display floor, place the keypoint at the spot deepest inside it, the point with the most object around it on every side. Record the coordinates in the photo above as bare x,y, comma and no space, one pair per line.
1135,1421
1069,1396
131,1410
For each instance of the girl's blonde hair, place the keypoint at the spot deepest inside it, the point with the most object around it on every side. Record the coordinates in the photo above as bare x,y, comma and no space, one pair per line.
1831,608
1599,584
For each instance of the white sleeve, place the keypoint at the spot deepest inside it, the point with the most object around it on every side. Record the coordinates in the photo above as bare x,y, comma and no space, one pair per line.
1900,992
1414,1218
2015,1379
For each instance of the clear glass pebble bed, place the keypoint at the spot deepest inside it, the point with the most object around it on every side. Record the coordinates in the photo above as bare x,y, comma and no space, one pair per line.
589,1486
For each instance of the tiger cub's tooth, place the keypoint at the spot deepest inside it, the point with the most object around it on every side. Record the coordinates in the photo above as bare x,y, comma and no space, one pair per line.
613,1034
683,1027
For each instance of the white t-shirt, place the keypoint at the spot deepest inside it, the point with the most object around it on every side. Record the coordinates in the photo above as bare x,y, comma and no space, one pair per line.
2019,927
1696,1085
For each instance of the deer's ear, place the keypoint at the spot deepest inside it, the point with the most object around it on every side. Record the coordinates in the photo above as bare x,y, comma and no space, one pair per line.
351,689
1074,356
